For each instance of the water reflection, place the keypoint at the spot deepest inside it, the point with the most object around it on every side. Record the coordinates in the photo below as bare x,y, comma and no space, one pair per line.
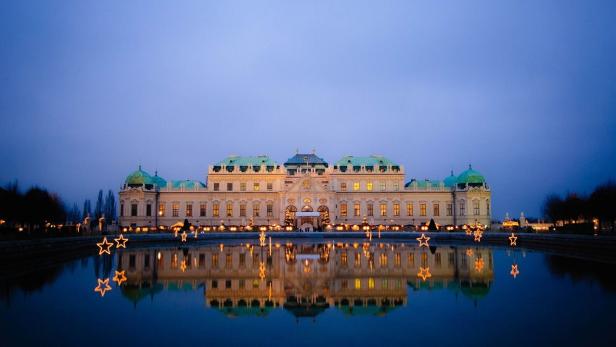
306,279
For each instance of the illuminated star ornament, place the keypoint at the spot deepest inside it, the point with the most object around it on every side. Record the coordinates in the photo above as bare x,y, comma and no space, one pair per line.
479,263
514,271
183,266
262,270
103,286
262,239
423,240
424,273
478,234
183,236
120,276
512,240
469,252
104,247
121,241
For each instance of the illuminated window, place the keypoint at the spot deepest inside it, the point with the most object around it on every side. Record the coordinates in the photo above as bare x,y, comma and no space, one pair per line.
203,209
242,210
370,207
343,259
175,209
216,209
357,259
356,186
270,210
397,260
188,209
343,210
449,209
424,259
370,283
422,209
214,260
476,207
256,187
383,260
411,259
383,186
255,284
174,261
343,186
161,209
396,209
242,186
270,186
436,209
369,186
216,186
229,209
383,210
356,209
229,187
256,209
462,208
357,283
409,209
148,210
133,210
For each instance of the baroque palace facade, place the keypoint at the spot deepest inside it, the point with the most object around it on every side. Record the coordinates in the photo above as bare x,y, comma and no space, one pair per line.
305,192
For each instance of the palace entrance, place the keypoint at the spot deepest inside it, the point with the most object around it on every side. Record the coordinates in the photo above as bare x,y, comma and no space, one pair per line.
307,219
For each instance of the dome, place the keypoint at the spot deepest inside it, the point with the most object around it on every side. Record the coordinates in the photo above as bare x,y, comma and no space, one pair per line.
451,180
159,181
139,177
471,176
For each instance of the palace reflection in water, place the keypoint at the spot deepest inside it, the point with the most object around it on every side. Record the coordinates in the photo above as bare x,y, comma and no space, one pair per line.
357,278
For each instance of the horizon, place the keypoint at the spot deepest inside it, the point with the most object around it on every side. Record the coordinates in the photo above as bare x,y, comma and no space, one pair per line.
524,91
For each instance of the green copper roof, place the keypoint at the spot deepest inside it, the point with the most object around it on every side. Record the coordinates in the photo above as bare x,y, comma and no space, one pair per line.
186,184
451,180
372,160
471,176
159,181
139,177
424,183
235,160
308,158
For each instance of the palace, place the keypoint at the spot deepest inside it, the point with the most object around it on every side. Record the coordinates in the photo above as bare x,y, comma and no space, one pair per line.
307,193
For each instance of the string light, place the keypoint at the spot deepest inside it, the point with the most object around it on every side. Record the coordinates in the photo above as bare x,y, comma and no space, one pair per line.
514,271
424,273
103,286
120,276
478,234
121,241
423,240
479,263
512,240
469,252
104,247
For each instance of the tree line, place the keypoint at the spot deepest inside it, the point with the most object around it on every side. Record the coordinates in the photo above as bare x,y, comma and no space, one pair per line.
575,208
37,208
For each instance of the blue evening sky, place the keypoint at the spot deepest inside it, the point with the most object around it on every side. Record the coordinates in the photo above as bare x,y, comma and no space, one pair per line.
524,90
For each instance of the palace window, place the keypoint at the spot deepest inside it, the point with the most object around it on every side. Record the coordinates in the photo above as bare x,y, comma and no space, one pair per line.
133,210
383,186
449,209
383,210
450,259
370,207
397,209
256,187
397,260
229,187
344,284
411,259
242,284
436,209
356,209
383,260
462,208
488,207
216,209
357,259
384,283
270,210
357,283
343,186
216,186
370,283
229,209
242,210
175,209
343,258
356,186
396,186
189,209
215,260
161,209
228,261
476,207
202,209
424,259
201,260
422,209
148,210
256,209
242,259
242,186
122,209
343,210
409,208
369,186
270,186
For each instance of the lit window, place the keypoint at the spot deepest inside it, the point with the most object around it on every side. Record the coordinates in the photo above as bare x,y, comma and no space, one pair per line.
343,259
343,186
214,260
409,209
256,208
383,260
436,209
188,209
256,187
161,209
370,283
243,186
370,211
411,259
396,209
357,259
369,186
175,209
216,209
397,260
343,210
422,209
383,210
242,210
356,209
355,186
357,283
202,209
229,209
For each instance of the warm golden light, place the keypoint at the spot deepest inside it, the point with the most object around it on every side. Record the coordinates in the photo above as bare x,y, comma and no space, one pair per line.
512,240
121,241
423,240
514,270
103,286
104,247
120,276
424,273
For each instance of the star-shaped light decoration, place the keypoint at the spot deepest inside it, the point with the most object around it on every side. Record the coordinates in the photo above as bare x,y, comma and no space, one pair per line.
512,240
183,266
104,247
468,231
479,263
121,241
478,234
514,271
183,235
262,270
262,238
469,252
423,240
424,273
103,286
120,276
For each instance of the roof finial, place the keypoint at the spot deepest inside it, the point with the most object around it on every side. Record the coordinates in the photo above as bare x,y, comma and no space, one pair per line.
452,172
139,167
470,167
313,150
155,172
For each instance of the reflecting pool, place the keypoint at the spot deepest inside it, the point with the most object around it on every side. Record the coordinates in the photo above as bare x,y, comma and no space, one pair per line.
309,293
